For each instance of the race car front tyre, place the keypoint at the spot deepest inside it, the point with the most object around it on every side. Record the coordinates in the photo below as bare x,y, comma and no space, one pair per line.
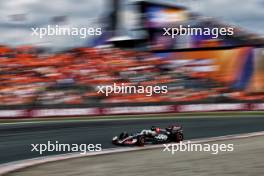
123,135
140,141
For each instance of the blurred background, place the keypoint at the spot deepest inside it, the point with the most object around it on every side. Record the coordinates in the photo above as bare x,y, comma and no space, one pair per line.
65,70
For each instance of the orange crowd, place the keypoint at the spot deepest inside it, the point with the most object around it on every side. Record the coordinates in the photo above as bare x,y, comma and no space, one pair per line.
72,77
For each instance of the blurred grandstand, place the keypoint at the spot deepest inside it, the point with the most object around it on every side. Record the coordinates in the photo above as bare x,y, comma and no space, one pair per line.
195,70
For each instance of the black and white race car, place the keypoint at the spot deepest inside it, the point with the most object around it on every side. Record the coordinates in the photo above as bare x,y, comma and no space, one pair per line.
154,135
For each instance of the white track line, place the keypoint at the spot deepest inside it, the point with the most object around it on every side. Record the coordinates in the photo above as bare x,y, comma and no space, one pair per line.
131,117
13,166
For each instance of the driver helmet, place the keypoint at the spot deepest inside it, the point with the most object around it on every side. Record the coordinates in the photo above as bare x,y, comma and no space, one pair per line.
157,130
153,128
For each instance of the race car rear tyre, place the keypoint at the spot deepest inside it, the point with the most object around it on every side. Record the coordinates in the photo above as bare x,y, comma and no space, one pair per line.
178,137
140,141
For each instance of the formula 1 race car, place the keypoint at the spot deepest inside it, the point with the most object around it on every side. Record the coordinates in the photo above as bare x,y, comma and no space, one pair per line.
154,135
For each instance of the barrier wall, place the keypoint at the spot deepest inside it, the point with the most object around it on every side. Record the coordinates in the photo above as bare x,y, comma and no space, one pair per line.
157,109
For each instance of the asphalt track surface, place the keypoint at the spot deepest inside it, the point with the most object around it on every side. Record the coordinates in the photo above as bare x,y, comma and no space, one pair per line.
16,139
245,160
